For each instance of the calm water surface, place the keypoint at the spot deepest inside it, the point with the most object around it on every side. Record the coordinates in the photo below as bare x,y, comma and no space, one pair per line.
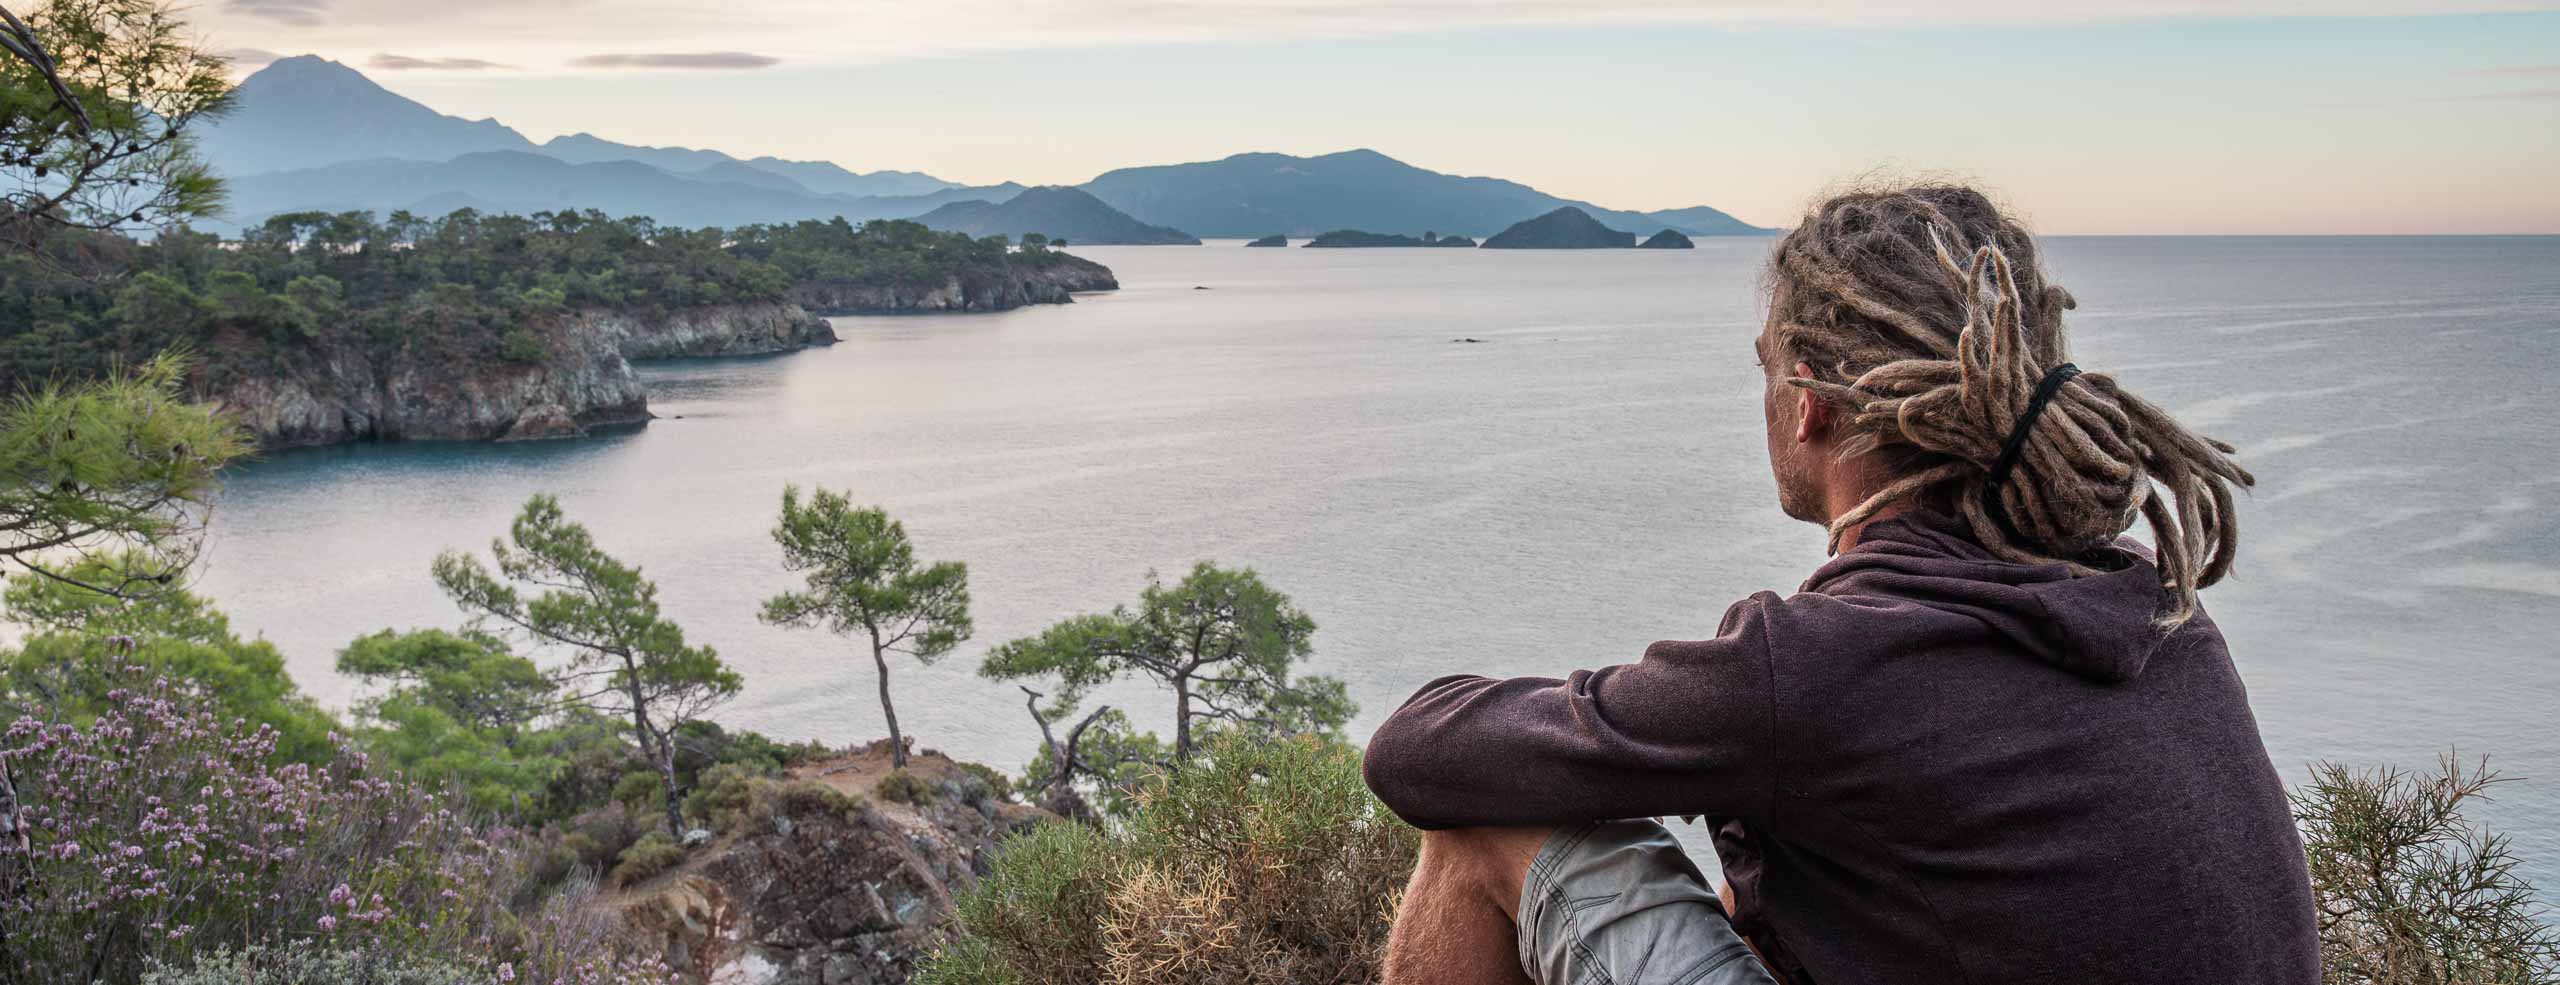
1586,480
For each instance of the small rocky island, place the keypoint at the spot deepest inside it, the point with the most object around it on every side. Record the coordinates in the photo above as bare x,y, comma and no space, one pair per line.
1355,238
1275,239
1567,228
1668,239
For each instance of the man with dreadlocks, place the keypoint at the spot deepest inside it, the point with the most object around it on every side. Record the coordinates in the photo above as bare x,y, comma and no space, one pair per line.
1992,740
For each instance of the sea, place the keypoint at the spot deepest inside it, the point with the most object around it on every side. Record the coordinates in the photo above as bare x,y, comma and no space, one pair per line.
1510,462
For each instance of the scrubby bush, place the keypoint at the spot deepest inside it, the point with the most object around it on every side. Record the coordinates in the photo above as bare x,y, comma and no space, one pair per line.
1262,861
998,785
778,798
903,787
1036,916
2410,892
653,855
159,830
719,797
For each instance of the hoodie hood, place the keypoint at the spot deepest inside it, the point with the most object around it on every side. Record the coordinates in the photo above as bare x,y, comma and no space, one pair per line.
2102,626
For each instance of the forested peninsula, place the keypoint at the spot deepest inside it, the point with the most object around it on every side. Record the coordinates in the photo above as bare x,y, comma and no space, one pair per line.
318,328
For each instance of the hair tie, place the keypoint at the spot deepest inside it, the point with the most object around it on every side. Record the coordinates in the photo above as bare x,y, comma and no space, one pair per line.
2053,381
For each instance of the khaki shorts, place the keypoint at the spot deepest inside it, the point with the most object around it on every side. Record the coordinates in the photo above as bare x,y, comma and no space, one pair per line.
1619,903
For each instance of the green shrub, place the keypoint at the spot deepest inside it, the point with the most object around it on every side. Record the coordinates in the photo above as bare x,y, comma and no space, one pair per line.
775,798
903,787
646,859
719,799
968,961
639,790
1037,915
1265,860
999,786
522,346
2411,892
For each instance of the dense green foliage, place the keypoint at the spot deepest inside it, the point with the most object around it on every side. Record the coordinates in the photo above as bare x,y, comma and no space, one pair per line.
1262,861
463,286
460,708
116,467
81,639
98,101
861,578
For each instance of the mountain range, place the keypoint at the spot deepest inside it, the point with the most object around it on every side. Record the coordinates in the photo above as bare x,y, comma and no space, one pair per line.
307,133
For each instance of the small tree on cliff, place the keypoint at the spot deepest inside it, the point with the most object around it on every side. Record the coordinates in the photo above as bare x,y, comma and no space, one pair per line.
863,578
1222,641
625,659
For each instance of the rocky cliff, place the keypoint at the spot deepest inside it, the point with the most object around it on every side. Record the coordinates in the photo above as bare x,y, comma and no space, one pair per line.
811,890
339,388
1053,283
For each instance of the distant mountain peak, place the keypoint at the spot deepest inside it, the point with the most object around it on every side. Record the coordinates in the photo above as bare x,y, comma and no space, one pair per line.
1056,211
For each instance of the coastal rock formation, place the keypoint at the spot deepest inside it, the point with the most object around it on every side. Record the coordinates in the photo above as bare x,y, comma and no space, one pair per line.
1275,239
340,389
1567,228
1053,283
815,895
1668,239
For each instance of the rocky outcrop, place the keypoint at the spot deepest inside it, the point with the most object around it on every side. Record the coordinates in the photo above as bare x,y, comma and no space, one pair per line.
1054,282
1668,239
810,893
338,389
730,330
1275,239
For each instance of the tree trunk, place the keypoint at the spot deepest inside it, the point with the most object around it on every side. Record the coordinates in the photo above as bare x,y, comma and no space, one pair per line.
1182,721
660,751
667,778
889,710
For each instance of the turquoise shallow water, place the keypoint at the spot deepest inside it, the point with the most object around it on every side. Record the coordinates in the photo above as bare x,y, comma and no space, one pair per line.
1588,479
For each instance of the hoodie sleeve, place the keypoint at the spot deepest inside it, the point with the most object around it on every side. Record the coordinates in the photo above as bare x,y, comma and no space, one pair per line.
1685,730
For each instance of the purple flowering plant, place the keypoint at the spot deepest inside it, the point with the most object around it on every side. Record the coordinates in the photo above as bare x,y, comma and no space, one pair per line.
159,831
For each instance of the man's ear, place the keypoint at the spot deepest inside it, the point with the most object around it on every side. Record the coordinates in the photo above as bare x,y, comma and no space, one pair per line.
1813,416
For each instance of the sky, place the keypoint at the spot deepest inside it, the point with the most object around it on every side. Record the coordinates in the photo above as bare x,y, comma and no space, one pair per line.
2097,117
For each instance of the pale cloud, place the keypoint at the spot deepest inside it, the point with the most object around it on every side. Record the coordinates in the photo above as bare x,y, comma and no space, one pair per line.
2504,96
391,62
678,59
247,58
298,13
565,32
2518,70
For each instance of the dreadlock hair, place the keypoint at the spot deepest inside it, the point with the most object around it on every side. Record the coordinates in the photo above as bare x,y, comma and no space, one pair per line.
1927,321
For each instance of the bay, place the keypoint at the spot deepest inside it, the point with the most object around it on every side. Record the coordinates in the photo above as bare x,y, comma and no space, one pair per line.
1587,478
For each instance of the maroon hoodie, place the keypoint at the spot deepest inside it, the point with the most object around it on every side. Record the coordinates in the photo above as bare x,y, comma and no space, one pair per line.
1930,765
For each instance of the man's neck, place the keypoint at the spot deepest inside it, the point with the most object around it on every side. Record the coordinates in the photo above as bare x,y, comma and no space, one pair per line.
1840,498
